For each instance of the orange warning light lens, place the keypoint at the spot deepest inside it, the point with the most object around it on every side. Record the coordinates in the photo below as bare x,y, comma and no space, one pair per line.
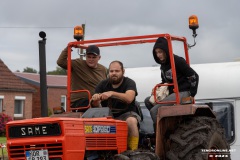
193,22
78,33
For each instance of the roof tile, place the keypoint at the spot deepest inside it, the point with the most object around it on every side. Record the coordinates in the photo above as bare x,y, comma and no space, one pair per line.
52,80
9,81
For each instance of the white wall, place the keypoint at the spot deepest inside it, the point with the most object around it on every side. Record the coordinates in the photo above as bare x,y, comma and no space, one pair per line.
216,80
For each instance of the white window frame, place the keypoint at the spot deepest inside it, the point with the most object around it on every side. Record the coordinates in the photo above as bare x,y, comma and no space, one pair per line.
23,98
1,103
65,102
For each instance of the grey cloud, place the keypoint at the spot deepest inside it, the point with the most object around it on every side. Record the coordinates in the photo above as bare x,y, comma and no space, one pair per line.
217,39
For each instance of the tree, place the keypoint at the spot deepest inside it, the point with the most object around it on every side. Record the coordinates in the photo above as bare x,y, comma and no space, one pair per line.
58,71
29,70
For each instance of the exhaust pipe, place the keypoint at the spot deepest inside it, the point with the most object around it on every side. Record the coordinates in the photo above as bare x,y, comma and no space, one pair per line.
43,79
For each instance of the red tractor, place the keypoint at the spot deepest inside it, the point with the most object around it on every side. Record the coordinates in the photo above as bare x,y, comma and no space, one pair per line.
183,131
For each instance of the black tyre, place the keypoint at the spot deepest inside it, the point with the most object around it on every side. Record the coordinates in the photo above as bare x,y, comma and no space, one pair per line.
136,155
198,138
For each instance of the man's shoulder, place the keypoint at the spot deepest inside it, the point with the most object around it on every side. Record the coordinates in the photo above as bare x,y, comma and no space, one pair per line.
130,84
179,61
101,66
79,61
103,82
127,80
178,58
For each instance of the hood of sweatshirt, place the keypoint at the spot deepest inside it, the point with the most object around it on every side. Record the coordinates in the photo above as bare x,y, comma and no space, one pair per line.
161,43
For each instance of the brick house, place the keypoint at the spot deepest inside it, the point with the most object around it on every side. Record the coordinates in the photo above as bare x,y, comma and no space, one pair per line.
56,90
16,96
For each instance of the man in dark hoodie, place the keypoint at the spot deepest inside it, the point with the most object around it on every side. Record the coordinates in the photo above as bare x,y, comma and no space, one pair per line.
187,78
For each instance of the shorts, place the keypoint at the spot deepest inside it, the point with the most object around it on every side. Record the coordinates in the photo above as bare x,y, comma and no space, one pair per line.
124,116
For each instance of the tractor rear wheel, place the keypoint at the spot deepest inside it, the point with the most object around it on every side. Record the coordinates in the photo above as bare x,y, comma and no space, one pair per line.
198,138
136,155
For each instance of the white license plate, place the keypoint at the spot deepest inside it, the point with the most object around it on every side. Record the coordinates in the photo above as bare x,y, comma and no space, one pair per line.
37,155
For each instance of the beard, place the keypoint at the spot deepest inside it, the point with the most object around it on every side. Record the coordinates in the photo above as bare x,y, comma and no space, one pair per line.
116,80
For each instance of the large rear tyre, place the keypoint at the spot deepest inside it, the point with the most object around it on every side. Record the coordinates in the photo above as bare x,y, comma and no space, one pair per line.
198,138
136,155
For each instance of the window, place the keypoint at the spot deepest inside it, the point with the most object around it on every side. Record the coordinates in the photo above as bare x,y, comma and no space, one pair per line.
63,102
19,106
1,103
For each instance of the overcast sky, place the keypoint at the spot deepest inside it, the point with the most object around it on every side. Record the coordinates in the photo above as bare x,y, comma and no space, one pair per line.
21,21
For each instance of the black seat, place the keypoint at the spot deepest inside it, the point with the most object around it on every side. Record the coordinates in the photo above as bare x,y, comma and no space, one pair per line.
97,112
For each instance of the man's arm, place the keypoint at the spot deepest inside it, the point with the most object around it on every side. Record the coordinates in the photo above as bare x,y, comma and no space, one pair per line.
127,97
96,100
190,74
62,59
194,84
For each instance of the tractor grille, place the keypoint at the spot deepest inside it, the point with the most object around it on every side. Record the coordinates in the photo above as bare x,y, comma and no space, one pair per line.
18,152
103,142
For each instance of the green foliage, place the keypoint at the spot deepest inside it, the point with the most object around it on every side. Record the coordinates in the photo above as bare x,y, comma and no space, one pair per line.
3,121
29,70
3,141
58,71
50,112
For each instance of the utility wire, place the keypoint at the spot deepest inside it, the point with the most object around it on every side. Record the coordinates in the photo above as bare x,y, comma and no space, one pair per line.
33,27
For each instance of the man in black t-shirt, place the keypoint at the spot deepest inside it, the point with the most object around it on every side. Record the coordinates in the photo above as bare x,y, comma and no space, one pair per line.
118,93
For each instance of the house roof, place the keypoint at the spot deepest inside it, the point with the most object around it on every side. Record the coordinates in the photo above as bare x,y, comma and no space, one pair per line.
59,81
10,82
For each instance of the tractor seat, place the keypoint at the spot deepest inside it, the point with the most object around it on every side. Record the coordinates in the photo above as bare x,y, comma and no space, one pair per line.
138,110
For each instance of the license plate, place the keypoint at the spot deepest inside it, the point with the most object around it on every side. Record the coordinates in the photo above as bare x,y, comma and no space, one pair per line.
37,155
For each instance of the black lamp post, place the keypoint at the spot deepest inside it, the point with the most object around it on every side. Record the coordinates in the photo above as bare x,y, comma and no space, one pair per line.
43,79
